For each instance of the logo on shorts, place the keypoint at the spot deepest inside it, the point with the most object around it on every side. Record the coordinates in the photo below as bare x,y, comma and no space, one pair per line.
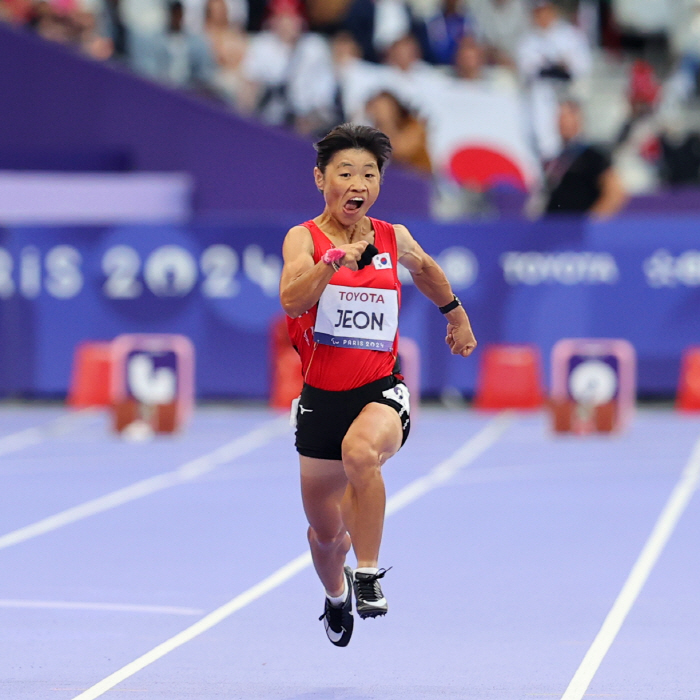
305,410
382,261
399,394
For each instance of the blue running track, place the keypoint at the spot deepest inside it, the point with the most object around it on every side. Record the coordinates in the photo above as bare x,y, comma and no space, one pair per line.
506,562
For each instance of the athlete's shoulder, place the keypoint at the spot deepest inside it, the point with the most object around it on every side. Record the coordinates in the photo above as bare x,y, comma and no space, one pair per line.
403,235
405,243
298,233
299,238
301,228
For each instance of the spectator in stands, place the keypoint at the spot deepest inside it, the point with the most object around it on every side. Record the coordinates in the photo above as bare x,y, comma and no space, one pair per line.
356,79
19,11
581,179
143,19
90,38
196,12
685,41
500,25
637,148
406,131
470,65
410,75
69,24
405,55
112,26
445,29
423,8
347,55
257,13
376,24
680,151
469,59
180,58
327,16
52,25
643,26
551,58
403,74
290,72
229,43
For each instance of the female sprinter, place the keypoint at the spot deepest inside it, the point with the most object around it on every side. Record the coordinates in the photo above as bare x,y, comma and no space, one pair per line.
341,293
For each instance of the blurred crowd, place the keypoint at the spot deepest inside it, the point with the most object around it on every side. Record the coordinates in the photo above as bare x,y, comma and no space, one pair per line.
310,65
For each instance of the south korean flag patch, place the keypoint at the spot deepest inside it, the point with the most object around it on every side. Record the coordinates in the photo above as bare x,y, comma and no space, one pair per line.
382,261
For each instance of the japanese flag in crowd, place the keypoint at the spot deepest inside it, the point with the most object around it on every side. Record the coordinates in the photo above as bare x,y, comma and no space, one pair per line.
477,136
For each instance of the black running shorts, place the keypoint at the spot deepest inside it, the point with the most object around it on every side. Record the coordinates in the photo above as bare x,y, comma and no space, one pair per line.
324,417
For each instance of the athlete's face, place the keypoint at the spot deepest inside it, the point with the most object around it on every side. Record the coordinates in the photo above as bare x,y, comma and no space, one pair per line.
350,184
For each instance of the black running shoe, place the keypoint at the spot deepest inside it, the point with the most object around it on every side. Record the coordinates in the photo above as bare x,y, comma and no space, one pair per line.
368,594
339,620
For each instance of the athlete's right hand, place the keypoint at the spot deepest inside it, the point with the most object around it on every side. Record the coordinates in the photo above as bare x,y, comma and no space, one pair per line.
353,252
460,338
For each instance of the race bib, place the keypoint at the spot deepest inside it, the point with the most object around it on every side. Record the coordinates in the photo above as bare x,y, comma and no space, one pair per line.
357,317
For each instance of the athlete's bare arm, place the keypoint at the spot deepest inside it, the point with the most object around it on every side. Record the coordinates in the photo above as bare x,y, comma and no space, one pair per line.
431,281
303,281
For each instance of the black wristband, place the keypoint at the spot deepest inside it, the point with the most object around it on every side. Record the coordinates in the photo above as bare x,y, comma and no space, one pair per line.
451,306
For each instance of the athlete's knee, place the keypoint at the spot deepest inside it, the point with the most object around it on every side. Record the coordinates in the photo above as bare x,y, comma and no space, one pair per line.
327,539
360,460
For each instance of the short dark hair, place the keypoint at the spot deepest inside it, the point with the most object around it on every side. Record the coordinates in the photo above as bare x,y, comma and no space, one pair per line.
357,136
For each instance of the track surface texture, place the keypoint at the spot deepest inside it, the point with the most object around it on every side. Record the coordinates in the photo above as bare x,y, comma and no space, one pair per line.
510,547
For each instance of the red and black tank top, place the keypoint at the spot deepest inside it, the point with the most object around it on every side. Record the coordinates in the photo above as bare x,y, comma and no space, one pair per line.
350,337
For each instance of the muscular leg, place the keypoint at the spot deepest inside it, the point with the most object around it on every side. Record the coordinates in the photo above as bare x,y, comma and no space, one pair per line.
323,483
374,436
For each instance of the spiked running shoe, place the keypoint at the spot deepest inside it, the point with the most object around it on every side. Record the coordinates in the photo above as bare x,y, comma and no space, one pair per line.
368,594
339,621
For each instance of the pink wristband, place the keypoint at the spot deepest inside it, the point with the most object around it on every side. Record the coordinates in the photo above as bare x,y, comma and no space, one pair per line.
332,256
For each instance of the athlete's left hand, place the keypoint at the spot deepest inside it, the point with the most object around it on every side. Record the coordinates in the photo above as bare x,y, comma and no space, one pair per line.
460,338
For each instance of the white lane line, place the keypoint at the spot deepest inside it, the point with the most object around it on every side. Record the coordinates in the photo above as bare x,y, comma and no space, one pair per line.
37,434
663,529
102,607
187,472
472,449
444,471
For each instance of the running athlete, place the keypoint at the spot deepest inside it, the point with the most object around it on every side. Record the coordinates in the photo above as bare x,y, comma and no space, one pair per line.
342,295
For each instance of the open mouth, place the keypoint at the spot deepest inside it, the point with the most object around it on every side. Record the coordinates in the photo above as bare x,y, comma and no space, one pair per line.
353,204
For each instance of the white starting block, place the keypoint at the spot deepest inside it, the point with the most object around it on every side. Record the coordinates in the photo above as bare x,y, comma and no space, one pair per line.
152,383
593,385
